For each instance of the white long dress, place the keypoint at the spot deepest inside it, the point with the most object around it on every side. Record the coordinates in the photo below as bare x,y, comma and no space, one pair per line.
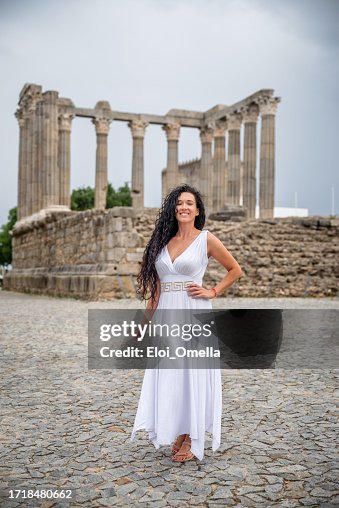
181,401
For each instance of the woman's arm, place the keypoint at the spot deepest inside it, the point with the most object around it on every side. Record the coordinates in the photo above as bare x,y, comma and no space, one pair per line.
219,252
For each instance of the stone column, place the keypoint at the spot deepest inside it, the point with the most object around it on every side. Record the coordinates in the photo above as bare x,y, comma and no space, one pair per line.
138,132
268,110
28,185
30,176
163,184
233,174
250,118
206,168
40,152
50,180
22,170
102,130
172,170
25,166
219,166
64,158
36,189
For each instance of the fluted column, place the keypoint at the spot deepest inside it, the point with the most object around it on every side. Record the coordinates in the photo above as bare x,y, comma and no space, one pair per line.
172,170
22,170
64,158
233,174
138,132
250,118
206,168
39,118
219,166
102,130
36,191
50,150
26,166
163,184
268,110
30,176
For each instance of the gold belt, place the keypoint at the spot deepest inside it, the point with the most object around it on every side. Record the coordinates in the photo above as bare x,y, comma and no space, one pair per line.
175,285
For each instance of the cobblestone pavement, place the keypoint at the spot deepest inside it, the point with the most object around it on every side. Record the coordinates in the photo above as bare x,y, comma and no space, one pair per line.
64,427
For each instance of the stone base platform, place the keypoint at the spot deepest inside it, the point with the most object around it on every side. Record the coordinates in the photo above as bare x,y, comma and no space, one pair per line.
93,282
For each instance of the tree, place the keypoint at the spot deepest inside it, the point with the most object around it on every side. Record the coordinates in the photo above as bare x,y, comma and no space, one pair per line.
6,239
121,197
83,198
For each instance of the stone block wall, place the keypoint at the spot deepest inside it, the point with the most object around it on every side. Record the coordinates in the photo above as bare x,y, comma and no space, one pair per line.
290,257
96,254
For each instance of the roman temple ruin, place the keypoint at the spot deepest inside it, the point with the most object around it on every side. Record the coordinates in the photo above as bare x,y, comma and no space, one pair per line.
45,122
96,254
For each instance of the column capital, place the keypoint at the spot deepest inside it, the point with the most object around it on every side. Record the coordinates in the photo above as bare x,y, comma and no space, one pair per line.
172,131
220,128
234,121
28,102
33,99
250,114
20,116
101,125
206,134
65,121
138,128
268,106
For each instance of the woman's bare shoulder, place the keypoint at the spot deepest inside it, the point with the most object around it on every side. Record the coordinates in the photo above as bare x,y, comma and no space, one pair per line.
212,239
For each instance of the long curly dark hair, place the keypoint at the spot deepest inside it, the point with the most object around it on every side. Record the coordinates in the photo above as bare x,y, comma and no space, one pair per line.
166,226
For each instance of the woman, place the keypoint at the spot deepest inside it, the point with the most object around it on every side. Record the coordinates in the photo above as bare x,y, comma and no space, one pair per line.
182,402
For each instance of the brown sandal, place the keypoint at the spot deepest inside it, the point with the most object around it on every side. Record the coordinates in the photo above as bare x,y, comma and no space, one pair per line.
175,447
183,456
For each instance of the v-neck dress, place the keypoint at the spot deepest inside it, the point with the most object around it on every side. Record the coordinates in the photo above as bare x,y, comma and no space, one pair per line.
181,401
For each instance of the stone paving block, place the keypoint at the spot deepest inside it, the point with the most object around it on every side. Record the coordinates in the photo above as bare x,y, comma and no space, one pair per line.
60,425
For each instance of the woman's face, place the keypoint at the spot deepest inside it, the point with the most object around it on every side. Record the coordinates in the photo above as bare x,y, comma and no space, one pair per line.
186,209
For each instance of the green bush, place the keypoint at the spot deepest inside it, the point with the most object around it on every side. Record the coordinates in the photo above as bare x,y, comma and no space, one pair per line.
6,239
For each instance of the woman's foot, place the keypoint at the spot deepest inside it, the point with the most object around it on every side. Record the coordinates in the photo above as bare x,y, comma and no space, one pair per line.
184,453
177,443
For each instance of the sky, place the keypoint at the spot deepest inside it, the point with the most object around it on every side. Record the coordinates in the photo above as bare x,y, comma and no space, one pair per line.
149,56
